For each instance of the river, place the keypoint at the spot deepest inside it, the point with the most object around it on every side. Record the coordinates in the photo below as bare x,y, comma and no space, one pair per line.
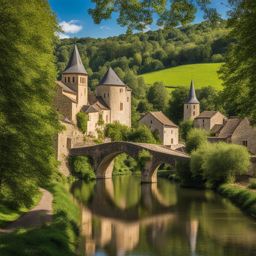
120,216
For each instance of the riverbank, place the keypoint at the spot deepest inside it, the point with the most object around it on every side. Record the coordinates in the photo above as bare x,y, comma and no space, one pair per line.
241,196
58,238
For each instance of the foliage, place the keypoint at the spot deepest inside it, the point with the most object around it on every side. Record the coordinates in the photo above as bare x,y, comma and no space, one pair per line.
203,75
122,165
219,163
185,128
82,120
142,134
158,96
195,139
81,167
241,196
252,184
139,14
238,71
58,238
28,121
116,131
184,174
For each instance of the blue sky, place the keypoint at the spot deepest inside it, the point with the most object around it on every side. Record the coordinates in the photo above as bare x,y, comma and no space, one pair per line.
74,18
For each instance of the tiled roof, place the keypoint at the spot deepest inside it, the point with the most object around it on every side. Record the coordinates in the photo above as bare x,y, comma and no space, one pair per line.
229,127
111,78
75,65
206,114
64,87
163,119
192,99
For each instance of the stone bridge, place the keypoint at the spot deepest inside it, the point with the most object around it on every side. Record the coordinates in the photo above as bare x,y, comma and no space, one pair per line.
103,155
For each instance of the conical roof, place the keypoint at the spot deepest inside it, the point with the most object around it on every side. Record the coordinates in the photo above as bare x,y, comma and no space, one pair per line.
111,78
75,65
192,99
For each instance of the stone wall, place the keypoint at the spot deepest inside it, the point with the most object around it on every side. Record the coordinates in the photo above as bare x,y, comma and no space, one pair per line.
191,111
208,123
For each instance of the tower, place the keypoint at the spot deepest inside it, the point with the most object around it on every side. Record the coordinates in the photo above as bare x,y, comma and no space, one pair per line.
76,78
117,96
192,106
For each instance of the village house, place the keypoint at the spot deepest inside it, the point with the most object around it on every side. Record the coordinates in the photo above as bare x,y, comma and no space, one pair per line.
111,102
231,130
167,131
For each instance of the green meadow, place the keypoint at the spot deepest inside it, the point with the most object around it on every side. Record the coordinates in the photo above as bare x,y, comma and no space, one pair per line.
202,74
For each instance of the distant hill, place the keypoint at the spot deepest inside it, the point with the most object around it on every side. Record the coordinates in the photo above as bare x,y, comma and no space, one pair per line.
202,74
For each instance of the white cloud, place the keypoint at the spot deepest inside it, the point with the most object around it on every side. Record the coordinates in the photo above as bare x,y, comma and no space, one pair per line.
147,28
105,28
62,35
70,27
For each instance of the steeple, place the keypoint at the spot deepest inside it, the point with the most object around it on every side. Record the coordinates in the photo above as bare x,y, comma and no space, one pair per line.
111,78
75,65
192,99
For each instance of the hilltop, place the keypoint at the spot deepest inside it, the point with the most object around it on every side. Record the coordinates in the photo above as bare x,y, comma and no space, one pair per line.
202,74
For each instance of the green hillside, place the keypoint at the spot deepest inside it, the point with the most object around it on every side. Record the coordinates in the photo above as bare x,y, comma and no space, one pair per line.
202,74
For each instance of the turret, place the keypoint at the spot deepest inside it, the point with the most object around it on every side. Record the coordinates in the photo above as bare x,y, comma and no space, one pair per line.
117,96
192,105
76,78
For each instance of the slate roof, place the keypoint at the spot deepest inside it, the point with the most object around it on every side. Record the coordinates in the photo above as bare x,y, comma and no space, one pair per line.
206,114
75,65
192,99
111,78
163,119
216,128
65,88
96,104
229,127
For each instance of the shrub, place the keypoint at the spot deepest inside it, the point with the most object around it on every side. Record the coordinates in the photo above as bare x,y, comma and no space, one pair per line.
81,167
252,184
82,119
195,139
142,134
117,131
185,128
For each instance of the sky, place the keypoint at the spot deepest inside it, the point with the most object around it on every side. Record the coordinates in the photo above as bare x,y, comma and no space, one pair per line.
75,21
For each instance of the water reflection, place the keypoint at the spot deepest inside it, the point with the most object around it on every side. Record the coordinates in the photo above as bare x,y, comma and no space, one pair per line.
123,217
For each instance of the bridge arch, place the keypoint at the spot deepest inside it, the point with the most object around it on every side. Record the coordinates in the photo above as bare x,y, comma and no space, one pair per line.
103,156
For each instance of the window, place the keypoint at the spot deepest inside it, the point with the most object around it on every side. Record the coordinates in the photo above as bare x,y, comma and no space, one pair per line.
194,113
65,79
127,99
104,95
194,107
172,141
68,79
187,106
171,131
151,121
245,143
73,79
203,122
121,90
121,106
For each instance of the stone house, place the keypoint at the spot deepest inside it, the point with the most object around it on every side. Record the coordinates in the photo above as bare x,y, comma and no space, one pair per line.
238,131
168,131
209,120
111,102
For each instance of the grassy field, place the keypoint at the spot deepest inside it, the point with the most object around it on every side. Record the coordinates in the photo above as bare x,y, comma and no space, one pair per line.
202,74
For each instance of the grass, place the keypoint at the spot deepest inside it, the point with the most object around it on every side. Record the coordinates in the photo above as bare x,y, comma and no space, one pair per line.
241,196
58,238
202,74
8,215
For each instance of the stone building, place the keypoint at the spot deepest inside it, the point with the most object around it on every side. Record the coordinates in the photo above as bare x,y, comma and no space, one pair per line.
168,131
192,105
211,121
112,102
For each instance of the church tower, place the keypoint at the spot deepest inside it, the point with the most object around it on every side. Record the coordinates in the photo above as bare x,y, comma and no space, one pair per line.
192,106
76,78
117,97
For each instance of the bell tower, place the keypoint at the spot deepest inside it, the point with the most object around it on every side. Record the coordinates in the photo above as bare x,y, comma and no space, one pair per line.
76,78
192,106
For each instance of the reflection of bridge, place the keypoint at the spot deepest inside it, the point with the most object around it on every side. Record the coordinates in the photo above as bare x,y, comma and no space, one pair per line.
102,157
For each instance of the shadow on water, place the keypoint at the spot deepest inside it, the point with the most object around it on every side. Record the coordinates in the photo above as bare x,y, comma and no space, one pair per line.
122,217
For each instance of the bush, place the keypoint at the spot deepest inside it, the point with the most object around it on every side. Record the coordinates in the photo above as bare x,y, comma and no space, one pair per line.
142,134
82,119
195,139
143,157
219,163
252,184
81,167
185,128
117,131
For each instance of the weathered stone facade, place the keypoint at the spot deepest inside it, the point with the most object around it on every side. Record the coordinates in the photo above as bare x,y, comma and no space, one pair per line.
168,131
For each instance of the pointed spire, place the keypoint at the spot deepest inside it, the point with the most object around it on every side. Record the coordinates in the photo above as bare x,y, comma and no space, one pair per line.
111,78
192,99
75,65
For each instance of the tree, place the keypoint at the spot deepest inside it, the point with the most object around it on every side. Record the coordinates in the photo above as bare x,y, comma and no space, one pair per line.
82,120
158,96
185,128
142,134
195,139
117,131
28,122
238,72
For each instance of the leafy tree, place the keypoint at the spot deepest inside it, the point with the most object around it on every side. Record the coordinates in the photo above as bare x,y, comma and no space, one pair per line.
28,122
144,106
185,128
82,120
158,96
195,139
142,134
117,131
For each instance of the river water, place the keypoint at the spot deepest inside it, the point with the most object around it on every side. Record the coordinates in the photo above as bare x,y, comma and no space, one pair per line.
120,216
